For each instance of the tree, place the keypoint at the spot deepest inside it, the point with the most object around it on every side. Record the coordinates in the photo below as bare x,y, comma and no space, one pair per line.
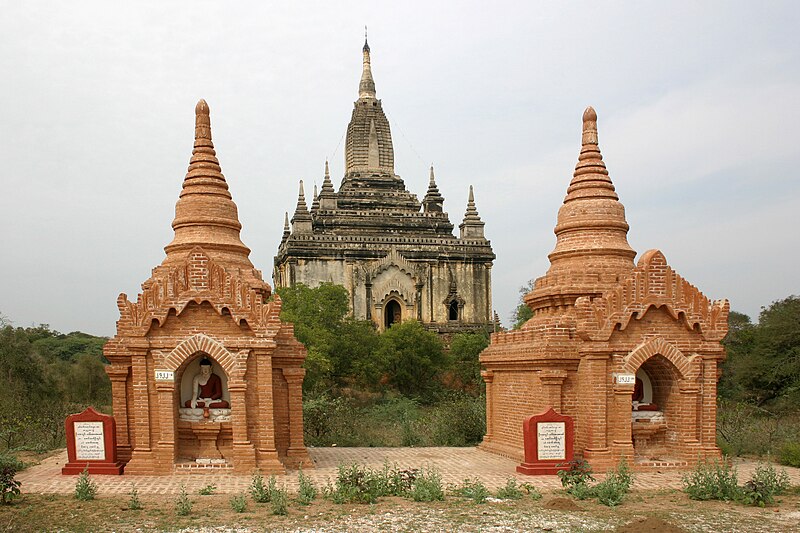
522,313
412,359
464,351
339,346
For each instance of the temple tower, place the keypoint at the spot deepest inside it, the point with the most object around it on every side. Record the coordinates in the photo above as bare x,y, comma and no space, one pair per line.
206,305
629,351
396,256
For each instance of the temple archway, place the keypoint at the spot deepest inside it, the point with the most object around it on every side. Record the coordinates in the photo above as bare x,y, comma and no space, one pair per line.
392,313
655,411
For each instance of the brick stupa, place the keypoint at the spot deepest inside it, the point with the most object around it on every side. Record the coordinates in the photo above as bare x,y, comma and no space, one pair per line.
206,301
630,351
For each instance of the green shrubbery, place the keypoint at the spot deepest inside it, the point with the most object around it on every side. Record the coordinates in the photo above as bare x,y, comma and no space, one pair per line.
457,420
718,480
610,491
472,489
85,488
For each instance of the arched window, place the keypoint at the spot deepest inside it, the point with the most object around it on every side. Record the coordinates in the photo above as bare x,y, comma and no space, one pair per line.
453,310
392,313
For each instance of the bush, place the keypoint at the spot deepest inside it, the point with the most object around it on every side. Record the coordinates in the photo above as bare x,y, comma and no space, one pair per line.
9,487
712,481
531,491
510,491
85,488
613,489
307,491
789,454
208,490
133,503
239,503
183,504
473,489
427,487
459,420
279,501
576,478
765,484
258,491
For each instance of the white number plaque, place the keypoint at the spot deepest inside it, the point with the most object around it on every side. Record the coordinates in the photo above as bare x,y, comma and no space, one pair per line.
165,375
626,379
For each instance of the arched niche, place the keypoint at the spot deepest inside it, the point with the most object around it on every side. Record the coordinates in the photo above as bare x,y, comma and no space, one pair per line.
392,313
192,368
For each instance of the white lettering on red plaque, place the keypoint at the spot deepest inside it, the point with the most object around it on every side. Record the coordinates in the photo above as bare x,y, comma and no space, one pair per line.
89,441
551,438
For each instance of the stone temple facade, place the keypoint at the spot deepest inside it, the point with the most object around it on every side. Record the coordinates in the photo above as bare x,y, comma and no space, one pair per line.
630,351
396,256
206,303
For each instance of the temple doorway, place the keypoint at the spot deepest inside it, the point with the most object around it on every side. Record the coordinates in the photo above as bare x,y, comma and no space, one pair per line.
654,411
392,313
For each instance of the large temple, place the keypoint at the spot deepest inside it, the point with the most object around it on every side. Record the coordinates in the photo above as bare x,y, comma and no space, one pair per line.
630,352
396,256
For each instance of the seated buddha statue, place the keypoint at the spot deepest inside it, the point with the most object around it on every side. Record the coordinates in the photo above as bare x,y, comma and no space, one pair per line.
637,398
207,389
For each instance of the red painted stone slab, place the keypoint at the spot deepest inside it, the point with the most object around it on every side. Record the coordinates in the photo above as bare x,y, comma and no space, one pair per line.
92,444
548,441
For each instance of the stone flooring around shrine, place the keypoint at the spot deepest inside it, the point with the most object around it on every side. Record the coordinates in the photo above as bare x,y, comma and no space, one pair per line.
454,464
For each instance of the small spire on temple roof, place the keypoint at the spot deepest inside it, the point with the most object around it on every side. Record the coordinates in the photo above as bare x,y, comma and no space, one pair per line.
366,89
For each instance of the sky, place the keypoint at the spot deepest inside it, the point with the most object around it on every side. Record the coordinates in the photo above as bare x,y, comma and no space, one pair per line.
698,106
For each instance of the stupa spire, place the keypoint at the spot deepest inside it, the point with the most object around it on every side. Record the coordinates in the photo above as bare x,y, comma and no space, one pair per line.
433,201
366,89
591,233
472,226
315,200
301,221
327,184
205,192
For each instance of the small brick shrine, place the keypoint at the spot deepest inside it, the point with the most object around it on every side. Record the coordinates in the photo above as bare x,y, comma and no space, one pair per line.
206,301
631,352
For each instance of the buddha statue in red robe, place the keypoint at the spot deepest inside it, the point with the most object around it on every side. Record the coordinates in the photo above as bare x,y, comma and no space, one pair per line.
638,398
207,389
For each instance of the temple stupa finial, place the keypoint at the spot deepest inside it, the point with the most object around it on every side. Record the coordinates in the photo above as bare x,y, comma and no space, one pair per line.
366,89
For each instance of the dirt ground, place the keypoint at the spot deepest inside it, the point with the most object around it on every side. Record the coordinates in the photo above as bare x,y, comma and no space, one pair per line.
665,511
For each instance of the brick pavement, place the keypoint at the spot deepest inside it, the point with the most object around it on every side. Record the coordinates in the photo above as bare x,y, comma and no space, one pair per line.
454,464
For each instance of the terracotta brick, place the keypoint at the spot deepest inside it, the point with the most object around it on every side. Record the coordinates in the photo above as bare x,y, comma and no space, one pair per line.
206,300
596,314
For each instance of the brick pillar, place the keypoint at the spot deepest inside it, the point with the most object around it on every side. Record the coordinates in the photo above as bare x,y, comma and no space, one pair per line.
297,453
244,453
593,398
488,377
141,455
619,423
118,373
266,453
166,410
688,429
552,381
708,407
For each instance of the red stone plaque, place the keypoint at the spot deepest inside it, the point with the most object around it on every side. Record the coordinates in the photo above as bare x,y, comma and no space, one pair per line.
548,441
92,444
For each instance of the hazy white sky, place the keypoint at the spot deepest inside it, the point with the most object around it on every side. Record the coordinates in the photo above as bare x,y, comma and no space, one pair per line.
698,106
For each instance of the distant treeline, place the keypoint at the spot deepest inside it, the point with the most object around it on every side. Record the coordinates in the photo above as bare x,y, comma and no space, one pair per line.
45,376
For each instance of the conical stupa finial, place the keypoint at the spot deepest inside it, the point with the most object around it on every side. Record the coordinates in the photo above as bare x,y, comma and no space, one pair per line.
472,226
205,190
302,207
315,200
285,222
366,89
327,184
433,201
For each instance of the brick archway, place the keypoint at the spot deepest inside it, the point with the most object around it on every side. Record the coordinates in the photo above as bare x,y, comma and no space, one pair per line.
200,343
686,366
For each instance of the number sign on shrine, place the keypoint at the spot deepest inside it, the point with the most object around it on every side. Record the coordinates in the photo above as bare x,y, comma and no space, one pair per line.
548,443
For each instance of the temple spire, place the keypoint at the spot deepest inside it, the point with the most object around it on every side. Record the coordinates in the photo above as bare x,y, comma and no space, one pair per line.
591,232
315,200
433,201
301,221
206,191
366,89
472,226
